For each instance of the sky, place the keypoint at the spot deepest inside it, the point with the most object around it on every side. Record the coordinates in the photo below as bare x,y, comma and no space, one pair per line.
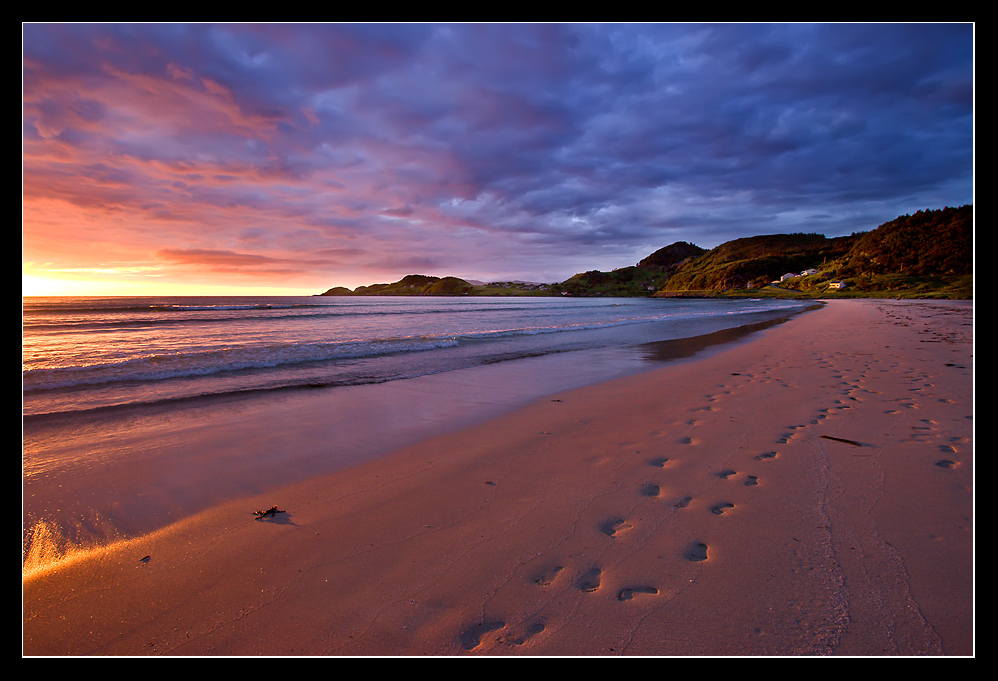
284,159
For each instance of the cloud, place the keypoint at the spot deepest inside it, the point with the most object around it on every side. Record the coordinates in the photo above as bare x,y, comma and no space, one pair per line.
472,145
212,258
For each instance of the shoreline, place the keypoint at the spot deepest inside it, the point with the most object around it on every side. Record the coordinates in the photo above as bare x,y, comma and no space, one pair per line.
94,407
781,496
173,459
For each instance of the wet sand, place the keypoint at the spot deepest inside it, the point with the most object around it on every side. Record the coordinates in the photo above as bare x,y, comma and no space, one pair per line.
809,492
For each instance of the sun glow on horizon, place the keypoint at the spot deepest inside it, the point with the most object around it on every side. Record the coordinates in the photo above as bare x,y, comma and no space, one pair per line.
38,286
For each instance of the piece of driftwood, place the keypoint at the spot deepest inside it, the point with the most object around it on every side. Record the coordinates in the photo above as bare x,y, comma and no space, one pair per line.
842,439
269,513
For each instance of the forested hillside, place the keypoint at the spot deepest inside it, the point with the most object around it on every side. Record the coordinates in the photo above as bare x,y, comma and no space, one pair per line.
927,254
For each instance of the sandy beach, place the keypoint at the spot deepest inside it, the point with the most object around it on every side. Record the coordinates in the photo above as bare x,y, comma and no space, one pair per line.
806,492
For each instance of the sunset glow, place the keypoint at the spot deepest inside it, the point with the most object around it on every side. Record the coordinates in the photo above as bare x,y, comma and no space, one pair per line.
286,159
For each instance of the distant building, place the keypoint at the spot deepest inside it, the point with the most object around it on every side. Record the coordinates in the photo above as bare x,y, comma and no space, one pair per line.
837,285
788,275
808,271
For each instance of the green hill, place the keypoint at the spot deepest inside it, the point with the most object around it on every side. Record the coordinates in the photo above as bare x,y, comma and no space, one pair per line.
754,262
409,285
928,243
671,257
928,254
643,279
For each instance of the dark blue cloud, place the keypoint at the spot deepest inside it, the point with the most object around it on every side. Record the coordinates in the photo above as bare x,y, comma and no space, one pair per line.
625,136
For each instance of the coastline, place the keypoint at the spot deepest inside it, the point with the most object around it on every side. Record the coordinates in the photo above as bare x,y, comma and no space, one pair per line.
177,457
784,496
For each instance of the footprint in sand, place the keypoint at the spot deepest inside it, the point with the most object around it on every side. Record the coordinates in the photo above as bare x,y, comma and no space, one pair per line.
946,463
787,436
725,474
951,447
591,580
471,637
767,455
532,630
751,480
659,462
613,526
650,490
630,592
721,508
684,502
547,577
697,552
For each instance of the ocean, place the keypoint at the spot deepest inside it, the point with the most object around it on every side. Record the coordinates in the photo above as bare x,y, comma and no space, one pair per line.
82,354
140,412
